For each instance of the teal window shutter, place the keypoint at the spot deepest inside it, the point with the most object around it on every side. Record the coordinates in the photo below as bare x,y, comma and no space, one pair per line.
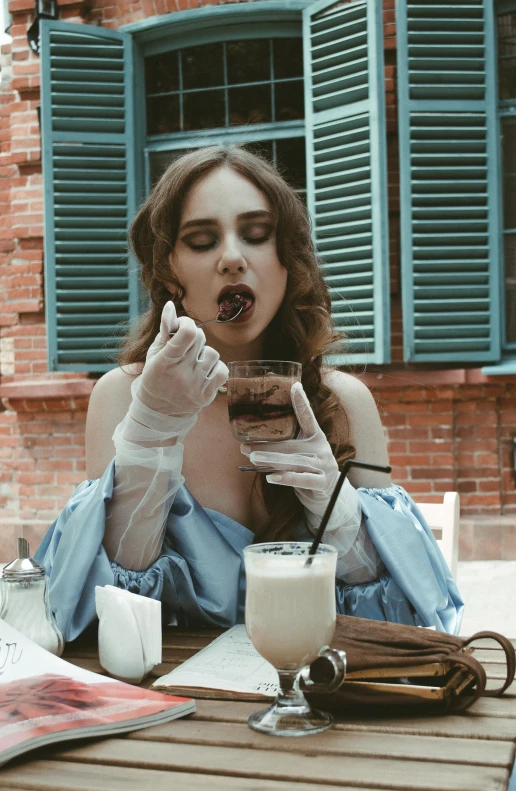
449,181
347,171
91,292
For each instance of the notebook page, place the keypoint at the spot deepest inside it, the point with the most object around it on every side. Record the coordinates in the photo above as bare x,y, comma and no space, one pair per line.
230,663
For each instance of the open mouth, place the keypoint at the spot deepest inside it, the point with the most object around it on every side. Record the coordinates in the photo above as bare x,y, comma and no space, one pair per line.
233,300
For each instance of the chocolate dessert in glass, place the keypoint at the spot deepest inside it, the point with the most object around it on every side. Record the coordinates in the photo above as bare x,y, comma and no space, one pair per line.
259,400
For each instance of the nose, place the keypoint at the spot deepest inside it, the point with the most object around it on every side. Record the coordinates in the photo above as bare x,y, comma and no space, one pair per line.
231,259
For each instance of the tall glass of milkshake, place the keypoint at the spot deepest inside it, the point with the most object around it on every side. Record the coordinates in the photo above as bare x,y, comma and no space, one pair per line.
259,400
290,616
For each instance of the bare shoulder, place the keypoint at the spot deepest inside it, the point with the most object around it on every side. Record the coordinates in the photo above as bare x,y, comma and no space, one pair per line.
350,389
109,402
365,426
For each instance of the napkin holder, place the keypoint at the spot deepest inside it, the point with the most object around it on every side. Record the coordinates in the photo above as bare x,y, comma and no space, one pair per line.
130,637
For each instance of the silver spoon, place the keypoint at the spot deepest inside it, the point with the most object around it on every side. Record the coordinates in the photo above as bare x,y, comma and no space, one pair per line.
222,321
216,320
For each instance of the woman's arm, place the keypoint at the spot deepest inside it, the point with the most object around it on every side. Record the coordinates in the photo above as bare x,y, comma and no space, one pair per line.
308,465
181,375
139,491
109,402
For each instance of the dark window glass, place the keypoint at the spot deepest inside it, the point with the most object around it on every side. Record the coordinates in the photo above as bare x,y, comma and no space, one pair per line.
290,101
509,171
288,57
163,115
263,148
250,105
507,55
162,73
291,161
194,70
203,110
510,287
159,162
203,66
248,61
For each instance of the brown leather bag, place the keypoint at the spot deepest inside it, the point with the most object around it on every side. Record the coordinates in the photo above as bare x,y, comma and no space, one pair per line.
391,665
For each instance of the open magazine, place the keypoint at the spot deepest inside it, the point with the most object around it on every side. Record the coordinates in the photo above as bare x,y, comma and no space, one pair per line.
44,699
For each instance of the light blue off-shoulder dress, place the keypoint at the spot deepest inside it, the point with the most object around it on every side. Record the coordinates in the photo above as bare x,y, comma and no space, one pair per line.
199,576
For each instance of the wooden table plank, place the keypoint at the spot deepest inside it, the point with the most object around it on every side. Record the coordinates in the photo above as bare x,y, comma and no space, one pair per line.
393,775
459,726
504,706
62,776
489,643
474,752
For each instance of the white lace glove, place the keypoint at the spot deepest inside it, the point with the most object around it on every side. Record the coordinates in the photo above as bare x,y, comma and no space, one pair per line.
181,376
308,465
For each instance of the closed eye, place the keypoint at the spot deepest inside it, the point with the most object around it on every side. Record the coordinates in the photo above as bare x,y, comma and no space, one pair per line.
200,241
258,233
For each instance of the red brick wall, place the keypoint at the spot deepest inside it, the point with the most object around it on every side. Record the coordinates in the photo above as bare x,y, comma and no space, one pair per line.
446,429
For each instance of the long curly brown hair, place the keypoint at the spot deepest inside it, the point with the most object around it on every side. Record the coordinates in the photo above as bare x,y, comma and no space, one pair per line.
301,330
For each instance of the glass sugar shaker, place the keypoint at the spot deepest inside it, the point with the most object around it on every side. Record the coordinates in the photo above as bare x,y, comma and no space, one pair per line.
24,602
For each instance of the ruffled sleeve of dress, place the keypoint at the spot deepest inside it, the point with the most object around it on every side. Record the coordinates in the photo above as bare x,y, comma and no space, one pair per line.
75,560
416,587
198,576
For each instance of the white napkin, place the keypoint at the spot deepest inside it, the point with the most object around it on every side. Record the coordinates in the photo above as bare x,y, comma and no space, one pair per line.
130,638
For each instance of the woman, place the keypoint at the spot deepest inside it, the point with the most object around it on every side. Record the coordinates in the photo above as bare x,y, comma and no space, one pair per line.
165,511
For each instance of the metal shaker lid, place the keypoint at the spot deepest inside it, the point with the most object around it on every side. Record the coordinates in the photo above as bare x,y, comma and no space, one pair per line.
23,567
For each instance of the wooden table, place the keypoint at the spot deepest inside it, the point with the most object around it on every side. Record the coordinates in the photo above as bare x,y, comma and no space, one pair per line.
215,749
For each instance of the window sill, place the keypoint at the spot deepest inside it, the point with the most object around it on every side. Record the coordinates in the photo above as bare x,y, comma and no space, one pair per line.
505,368
43,389
403,378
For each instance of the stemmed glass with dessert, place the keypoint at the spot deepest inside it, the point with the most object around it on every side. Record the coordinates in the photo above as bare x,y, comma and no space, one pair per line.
259,391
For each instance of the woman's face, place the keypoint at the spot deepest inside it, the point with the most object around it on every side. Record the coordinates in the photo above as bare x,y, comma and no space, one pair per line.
227,244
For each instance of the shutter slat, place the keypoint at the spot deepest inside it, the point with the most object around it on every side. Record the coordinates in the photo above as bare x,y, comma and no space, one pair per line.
448,170
347,169
90,288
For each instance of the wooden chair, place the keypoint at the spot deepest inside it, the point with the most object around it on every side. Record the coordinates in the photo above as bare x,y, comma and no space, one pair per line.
443,519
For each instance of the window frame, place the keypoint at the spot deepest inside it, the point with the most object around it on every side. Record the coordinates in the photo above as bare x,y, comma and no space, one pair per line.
203,26
255,133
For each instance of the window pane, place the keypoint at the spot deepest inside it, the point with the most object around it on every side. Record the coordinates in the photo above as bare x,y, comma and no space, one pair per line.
262,148
290,101
510,287
288,58
162,73
291,161
159,162
248,61
507,55
509,171
203,110
163,115
203,66
250,105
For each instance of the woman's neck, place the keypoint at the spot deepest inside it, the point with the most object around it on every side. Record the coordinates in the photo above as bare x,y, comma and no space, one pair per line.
244,351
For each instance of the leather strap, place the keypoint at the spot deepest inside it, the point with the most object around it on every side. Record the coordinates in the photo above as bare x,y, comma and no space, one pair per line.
510,658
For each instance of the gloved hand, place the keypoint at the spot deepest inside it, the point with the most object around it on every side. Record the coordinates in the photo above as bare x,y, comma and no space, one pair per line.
309,466
180,377
181,374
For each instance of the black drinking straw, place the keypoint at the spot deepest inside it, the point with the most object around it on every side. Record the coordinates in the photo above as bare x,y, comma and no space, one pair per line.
333,499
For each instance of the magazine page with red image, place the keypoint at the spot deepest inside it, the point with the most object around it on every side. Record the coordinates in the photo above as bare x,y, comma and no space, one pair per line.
44,699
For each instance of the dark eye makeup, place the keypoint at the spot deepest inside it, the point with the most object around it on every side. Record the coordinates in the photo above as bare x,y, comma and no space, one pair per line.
251,233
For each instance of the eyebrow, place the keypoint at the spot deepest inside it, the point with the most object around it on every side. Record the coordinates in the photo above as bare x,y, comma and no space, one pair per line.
248,215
